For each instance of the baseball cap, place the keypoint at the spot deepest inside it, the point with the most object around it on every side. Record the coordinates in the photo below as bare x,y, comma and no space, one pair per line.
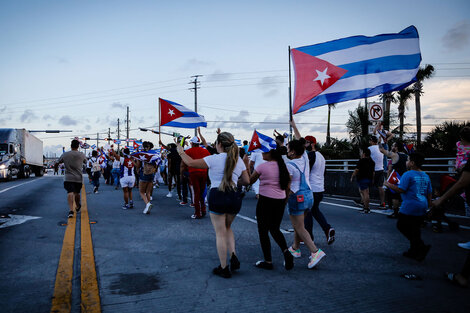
311,139
194,140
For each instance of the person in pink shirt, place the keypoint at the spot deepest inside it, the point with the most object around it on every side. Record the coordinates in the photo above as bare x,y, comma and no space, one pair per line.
273,188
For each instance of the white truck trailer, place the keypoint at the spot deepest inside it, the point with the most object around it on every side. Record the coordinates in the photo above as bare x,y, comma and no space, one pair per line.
20,154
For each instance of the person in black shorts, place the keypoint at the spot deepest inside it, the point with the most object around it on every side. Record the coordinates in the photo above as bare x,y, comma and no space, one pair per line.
73,161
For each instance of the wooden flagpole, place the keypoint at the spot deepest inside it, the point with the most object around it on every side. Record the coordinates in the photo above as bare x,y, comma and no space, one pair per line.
290,96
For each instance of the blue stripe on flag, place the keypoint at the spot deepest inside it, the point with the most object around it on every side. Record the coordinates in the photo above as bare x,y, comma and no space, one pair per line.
352,94
344,43
384,64
186,125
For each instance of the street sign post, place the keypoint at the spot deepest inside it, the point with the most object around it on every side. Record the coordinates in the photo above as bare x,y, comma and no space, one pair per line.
376,111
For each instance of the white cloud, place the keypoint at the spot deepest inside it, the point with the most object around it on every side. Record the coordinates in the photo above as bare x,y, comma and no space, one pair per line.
28,116
457,37
67,121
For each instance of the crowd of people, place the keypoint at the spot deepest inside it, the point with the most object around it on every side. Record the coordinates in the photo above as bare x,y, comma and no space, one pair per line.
214,178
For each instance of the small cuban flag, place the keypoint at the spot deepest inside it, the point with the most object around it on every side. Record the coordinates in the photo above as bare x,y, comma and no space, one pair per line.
150,156
176,115
394,179
261,142
93,146
117,141
238,142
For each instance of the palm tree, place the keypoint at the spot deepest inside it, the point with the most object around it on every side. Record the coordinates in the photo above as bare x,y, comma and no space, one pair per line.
423,73
328,139
358,126
387,98
402,98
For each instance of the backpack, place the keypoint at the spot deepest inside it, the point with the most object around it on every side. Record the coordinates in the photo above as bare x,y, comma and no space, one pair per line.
303,199
95,165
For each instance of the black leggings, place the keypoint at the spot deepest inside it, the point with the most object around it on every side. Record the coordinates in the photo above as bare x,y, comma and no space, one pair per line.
269,213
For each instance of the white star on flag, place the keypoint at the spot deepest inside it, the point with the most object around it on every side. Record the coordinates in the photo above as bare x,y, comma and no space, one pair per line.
129,163
254,144
322,76
171,112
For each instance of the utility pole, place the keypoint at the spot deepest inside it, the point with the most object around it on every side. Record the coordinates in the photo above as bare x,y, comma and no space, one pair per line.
127,125
97,140
118,136
195,88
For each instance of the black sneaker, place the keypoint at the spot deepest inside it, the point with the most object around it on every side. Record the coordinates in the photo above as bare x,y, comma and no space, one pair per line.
330,236
264,265
79,206
288,260
222,272
70,214
234,263
393,215
422,254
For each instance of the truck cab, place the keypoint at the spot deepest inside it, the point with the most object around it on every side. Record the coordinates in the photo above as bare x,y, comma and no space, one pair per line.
20,154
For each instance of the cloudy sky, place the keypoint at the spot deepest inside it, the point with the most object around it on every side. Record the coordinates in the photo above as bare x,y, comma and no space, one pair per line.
77,65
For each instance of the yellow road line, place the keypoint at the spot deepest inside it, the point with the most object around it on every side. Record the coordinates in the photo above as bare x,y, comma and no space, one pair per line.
89,284
62,298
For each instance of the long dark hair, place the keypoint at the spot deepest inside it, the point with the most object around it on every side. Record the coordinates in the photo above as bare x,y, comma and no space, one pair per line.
284,176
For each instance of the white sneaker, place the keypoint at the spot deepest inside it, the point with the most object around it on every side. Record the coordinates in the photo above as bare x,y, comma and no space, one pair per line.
147,209
169,195
151,198
315,258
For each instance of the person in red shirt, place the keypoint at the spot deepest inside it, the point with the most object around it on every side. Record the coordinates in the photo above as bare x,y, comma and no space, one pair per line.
198,178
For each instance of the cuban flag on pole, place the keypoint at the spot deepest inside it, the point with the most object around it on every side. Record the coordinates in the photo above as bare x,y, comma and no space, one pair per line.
176,115
354,67
261,142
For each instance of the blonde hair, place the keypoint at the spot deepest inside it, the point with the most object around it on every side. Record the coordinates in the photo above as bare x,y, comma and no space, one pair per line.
230,147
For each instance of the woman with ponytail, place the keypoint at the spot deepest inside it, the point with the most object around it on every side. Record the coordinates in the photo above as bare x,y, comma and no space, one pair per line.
273,192
225,169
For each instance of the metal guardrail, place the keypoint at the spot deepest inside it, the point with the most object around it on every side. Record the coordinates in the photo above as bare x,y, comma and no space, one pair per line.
431,165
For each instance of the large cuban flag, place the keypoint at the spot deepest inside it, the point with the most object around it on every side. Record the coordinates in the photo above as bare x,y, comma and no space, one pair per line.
261,142
354,67
150,156
176,115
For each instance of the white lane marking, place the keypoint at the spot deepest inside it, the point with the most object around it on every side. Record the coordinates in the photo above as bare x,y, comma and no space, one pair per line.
382,211
6,189
254,221
15,220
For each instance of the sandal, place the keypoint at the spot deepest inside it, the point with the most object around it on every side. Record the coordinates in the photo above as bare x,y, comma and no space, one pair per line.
452,277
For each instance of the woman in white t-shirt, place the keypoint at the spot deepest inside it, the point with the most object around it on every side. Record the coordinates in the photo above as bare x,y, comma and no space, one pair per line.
299,170
225,169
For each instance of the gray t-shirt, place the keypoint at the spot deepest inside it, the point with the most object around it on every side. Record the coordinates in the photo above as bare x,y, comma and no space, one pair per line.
73,161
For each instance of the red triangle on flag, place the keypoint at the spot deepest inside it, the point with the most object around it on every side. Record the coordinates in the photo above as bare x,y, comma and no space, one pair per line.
312,77
254,143
168,112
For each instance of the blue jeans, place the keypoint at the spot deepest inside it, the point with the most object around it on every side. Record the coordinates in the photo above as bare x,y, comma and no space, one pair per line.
116,175
95,179
317,214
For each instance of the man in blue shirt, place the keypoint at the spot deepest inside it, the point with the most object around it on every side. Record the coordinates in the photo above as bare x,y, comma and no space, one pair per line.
415,189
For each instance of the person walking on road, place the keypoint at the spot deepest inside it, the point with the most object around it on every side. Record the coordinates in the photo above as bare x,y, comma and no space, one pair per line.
95,166
364,174
317,182
146,172
300,200
73,161
127,178
273,192
415,188
198,178
225,170
377,157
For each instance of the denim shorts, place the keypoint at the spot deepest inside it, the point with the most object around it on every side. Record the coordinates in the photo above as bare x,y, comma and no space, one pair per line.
229,202
364,183
146,178
293,208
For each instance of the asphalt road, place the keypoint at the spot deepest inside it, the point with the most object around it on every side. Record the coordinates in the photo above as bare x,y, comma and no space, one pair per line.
162,262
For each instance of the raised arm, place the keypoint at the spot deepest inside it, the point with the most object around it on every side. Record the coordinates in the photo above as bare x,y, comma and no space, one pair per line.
203,140
296,131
